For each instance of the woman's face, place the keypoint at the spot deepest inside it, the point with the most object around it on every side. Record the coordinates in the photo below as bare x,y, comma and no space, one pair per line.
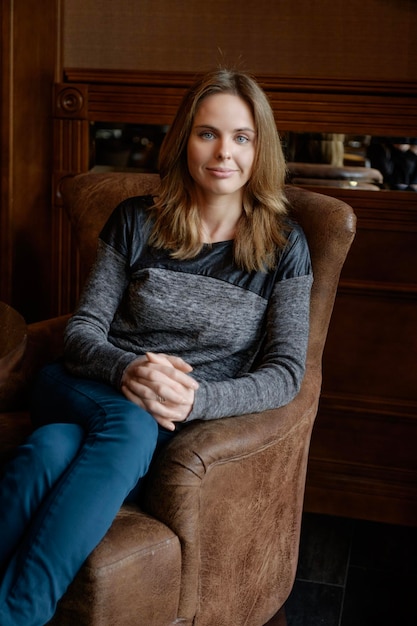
221,146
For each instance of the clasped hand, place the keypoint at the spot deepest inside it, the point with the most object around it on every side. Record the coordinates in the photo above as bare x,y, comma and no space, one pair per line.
162,385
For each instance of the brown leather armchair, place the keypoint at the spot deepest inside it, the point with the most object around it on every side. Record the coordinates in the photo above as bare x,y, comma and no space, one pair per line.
215,542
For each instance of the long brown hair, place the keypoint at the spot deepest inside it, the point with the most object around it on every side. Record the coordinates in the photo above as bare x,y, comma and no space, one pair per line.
261,228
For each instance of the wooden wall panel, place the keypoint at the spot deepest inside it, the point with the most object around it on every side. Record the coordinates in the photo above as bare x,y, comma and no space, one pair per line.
6,104
29,51
299,104
363,460
371,343
333,38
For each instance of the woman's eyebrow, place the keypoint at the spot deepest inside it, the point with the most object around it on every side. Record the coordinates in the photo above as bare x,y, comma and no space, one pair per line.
235,130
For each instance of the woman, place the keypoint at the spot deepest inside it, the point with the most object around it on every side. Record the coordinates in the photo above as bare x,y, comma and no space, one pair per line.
197,308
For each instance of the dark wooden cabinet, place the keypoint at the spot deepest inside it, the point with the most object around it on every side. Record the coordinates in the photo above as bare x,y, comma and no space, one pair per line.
363,460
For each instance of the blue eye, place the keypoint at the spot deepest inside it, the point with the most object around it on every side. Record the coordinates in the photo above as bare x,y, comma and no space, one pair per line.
242,139
207,134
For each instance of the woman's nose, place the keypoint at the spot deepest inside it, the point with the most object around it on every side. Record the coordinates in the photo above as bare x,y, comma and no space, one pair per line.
223,151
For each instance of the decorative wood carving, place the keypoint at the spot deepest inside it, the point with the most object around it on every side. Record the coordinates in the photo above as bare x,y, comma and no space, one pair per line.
71,101
369,107
71,156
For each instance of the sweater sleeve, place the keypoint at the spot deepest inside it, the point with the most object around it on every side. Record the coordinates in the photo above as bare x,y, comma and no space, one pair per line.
278,375
87,349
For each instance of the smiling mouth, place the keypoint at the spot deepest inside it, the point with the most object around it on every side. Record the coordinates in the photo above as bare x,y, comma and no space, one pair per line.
219,171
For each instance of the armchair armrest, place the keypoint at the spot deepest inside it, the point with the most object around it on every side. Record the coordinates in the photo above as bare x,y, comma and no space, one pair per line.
44,344
226,488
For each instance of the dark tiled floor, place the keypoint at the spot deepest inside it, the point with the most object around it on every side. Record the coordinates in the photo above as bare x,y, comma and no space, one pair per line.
354,573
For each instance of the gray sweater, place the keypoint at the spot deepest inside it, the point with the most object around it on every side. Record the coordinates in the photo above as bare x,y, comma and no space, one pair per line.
244,333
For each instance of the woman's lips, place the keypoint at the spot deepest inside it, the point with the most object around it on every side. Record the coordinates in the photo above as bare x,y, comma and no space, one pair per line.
220,172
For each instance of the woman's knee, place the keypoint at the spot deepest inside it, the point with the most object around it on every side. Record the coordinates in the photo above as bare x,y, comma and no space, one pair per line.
134,424
101,410
96,406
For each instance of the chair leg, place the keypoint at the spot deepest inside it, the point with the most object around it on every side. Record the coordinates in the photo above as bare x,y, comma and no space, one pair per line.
279,619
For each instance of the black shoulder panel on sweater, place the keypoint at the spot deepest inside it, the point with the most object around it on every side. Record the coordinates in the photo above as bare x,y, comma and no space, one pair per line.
127,231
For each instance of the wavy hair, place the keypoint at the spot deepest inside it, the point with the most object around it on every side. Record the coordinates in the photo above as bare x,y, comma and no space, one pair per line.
261,229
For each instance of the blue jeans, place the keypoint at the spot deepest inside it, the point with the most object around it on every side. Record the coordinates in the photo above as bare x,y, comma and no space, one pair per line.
61,492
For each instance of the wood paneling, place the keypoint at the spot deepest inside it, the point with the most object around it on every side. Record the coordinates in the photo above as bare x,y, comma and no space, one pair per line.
303,104
29,51
331,38
363,459
6,102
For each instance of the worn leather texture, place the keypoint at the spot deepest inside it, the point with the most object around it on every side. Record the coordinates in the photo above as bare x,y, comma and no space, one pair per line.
216,541
133,577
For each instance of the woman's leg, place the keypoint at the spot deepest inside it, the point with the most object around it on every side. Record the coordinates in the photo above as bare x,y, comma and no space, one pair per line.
120,439
29,477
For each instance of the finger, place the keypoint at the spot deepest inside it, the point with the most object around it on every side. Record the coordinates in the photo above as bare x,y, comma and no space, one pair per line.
158,376
167,359
167,412
152,370
173,395
158,391
132,397
164,410
167,423
153,376
157,405
175,367
133,366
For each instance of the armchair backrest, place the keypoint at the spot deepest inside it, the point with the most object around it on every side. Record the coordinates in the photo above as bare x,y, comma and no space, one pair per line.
328,223
90,198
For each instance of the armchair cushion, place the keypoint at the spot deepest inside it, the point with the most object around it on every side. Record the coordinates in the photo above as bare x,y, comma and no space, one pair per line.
138,563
